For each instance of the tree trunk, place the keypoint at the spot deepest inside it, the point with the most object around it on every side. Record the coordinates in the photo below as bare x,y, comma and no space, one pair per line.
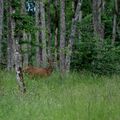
62,36
18,36
114,22
10,49
49,29
43,34
38,60
1,28
56,21
25,49
80,19
98,27
18,66
56,49
25,39
72,35
30,55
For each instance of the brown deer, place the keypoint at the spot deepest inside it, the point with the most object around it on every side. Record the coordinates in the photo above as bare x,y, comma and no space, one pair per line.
36,71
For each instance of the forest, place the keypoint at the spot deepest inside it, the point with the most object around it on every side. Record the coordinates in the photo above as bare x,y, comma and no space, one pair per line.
59,59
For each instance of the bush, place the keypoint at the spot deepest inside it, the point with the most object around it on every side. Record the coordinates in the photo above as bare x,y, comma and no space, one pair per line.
105,60
89,55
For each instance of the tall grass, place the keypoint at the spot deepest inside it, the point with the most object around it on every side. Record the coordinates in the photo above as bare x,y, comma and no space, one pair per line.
81,96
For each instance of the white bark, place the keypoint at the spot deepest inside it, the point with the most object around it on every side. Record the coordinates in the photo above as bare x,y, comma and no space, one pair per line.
114,22
98,27
10,49
62,36
56,45
80,19
72,35
48,28
56,21
43,34
25,39
37,36
18,67
25,49
29,37
17,55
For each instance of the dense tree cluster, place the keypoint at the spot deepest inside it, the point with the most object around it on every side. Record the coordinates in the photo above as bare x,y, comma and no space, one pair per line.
75,34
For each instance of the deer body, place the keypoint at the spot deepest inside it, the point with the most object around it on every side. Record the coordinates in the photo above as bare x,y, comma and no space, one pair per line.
35,71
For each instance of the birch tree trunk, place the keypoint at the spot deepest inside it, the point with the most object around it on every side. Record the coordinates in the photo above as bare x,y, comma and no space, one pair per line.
98,27
18,66
38,60
72,35
114,21
80,19
49,28
56,21
18,36
10,49
29,37
43,34
1,28
25,39
25,49
62,36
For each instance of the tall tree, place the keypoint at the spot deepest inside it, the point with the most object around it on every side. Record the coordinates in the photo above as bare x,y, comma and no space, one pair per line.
48,23
56,22
80,19
18,66
38,60
43,33
10,49
72,34
98,26
62,36
115,21
1,27
18,36
25,46
25,38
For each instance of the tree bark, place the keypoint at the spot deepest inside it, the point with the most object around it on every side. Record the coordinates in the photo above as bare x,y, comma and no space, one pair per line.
43,34
25,50
56,49
62,36
10,49
114,22
25,39
98,27
80,19
56,21
49,28
1,28
38,60
30,55
18,36
18,66
72,35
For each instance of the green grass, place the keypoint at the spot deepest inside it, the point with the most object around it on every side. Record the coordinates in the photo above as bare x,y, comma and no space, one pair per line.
81,96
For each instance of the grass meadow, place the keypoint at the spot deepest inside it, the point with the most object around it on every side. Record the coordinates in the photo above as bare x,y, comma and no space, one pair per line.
78,96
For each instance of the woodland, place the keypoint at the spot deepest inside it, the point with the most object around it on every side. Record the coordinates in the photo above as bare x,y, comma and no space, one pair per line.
55,49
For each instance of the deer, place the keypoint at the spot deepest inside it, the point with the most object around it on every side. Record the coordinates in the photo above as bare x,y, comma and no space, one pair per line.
36,71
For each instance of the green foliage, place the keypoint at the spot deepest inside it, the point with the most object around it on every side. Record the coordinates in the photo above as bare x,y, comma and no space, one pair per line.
105,60
86,52
86,7
89,54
